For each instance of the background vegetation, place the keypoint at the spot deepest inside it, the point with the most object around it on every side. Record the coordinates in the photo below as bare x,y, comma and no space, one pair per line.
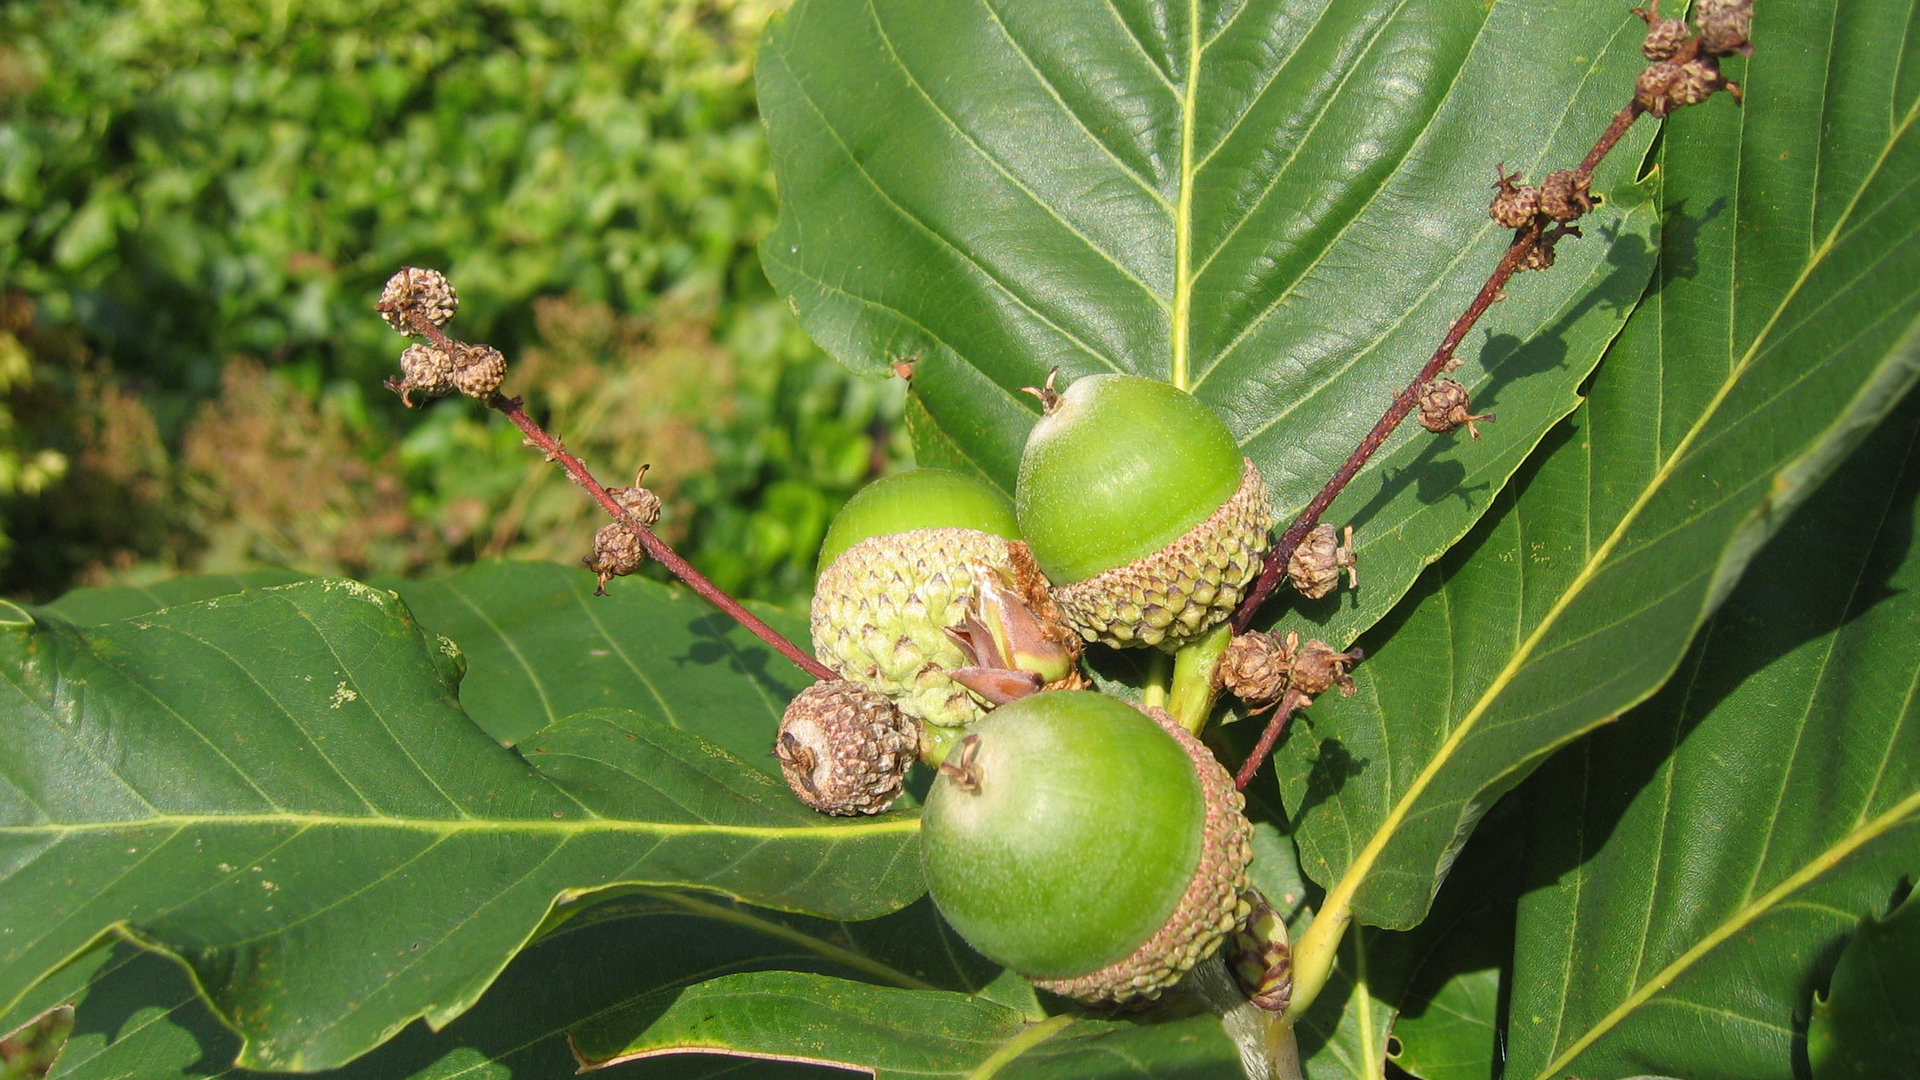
199,201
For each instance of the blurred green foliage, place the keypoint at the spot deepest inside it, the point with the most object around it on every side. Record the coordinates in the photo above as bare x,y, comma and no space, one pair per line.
186,183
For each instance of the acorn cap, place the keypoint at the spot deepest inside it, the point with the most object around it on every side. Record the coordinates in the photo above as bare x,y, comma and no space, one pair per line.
1214,905
882,610
1184,589
844,749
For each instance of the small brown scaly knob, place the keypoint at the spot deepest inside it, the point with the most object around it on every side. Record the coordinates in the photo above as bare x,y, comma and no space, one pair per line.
413,291
1315,566
617,552
1725,26
1254,668
425,370
844,748
478,370
1443,407
1317,668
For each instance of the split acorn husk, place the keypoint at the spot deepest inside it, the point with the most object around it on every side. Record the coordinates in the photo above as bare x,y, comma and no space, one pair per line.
927,595
1098,850
1141,511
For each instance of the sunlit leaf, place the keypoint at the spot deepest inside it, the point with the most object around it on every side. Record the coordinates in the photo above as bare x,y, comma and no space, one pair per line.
279,787
1280,205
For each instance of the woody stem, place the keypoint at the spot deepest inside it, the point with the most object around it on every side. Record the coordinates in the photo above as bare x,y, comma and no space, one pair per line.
1404,403
512,409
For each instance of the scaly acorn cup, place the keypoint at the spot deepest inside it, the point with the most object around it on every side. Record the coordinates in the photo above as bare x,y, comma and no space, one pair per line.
1099,851
1140,510
904,570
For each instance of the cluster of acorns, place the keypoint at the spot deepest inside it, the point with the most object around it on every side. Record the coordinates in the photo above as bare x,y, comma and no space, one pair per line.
1097,848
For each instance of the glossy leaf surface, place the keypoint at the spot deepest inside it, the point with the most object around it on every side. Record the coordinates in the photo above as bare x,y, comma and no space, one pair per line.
894,1034
1867,1022
280,788
141,1018
540,646
1280,205
1780,327
1695,869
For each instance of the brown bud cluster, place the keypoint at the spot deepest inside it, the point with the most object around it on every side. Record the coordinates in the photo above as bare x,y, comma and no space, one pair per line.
1686,69
1315,566
474,370
617,552
638,501
1444,404
1514,205
1673,84
1254,668
1725,26
1564,195
478,370
416,292
1665,37
1317,667
426,370
1259,668
844,749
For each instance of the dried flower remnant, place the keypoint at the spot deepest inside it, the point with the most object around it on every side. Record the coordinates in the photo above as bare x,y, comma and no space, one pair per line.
1317,668
478,370
425,370
416,292
1443,407
845,749
1315,566
1254,668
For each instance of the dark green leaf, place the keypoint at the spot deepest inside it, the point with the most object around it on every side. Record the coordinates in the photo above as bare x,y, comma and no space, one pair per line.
541,646
1780,328
91,606
1868,1024
894,1034
1280,205
143,1019
279,788
1695,869
1425,998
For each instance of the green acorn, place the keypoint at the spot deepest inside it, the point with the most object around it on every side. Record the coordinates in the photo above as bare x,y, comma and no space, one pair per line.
1140,510
1097,850
927,596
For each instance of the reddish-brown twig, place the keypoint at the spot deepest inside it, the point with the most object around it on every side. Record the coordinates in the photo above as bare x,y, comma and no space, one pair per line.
1290,702
512,409
1405,402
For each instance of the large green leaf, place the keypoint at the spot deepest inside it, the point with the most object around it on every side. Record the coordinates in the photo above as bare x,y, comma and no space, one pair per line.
1278,204
895,1034
1695,869
280,788
1780,328
540,646
140,1017
1425,998
1868,1022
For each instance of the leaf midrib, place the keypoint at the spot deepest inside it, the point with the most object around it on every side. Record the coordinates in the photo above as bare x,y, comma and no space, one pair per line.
1738,921
1337,911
